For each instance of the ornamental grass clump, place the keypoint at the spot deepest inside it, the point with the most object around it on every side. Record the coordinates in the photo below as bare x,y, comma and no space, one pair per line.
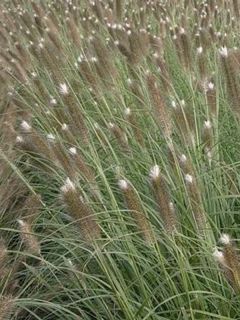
88,88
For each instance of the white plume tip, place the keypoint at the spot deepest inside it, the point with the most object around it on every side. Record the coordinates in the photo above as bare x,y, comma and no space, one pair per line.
223,52
207,124
154,172
183,158
63,89
123,184
68,186
21,222
26,126
73,151
19,139
218,256
225,239
188,178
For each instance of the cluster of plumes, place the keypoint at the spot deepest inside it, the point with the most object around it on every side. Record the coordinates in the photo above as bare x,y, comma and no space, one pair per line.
128,34
229,261
50,86
164,206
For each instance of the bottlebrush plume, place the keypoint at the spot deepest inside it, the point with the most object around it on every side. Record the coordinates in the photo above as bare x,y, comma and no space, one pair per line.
7,306
29,239
162,196
80,212
134,205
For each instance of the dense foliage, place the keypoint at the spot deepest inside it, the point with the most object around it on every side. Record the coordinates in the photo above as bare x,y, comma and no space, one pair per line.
119,156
